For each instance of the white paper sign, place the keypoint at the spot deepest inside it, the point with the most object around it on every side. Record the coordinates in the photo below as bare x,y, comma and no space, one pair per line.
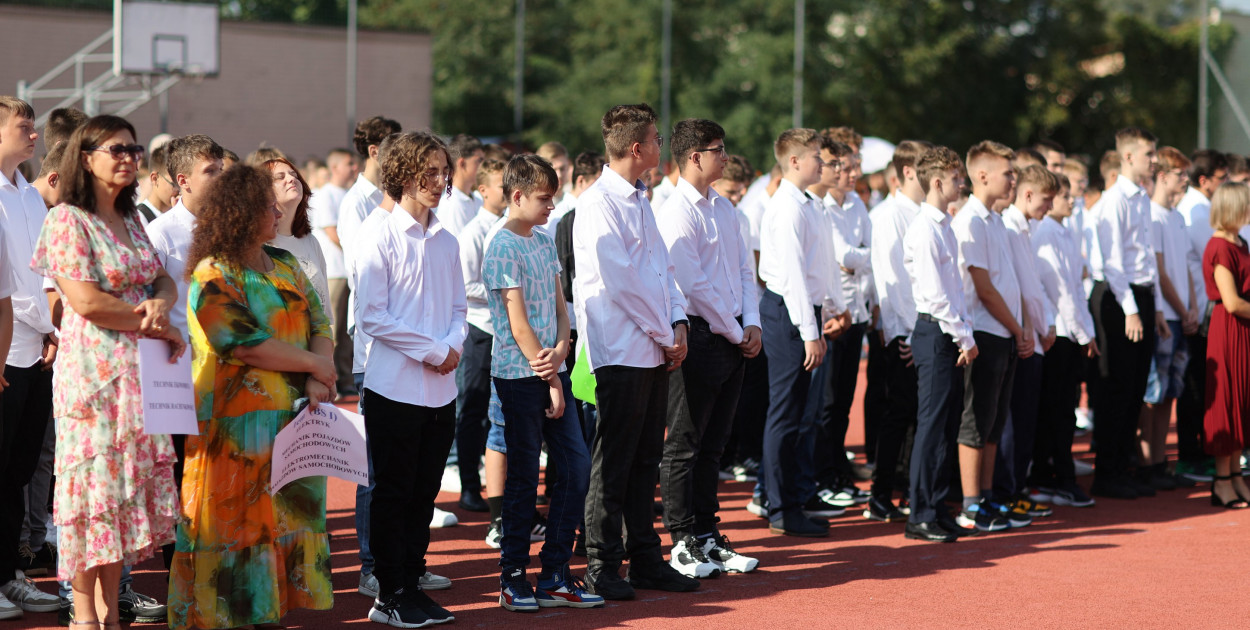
168,391
320,441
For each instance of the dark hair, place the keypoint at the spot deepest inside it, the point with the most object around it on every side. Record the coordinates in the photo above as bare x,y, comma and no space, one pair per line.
529,173
227,223
1030,155
462,146
184,152
588,164
1043,145
624,125
300,225
61,124
838,149
77,187
1204,163
692,134
52,161
371,131
496,152
1236,163
739,170
406,158
907,154
1132,134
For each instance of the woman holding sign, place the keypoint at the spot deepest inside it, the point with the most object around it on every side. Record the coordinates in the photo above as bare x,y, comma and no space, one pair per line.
115,498
261,341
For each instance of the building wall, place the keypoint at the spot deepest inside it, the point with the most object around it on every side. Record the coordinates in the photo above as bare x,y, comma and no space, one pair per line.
1226,133
283,85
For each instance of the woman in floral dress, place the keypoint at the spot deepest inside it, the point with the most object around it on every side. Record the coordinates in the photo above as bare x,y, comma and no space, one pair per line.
261,341
115,499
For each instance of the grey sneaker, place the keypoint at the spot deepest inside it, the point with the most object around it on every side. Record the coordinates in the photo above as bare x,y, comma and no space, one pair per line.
139,607
368,585
23,593
431,582
9,610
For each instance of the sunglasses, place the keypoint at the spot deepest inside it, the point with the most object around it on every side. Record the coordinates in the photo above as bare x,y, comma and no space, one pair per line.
119,151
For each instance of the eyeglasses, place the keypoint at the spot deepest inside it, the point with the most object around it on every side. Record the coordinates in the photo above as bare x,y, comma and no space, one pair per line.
659,140
835,165
720,149
119,151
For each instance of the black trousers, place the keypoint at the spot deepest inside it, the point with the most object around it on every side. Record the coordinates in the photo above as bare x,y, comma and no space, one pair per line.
876,395
746,440
1015,447
1191,405
473,401
1052,445
702,397
835,414
899,417
1122,373
624,465
25,407
939,396
408,445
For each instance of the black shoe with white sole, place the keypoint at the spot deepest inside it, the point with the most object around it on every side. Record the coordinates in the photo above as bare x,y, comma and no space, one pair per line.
398,611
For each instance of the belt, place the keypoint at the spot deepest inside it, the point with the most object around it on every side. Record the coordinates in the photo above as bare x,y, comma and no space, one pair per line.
695,319
928,318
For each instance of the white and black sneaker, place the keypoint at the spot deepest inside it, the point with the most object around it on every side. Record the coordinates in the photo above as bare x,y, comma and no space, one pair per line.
690,561
399,612
843,493
819,505
758,506
722,554
494,535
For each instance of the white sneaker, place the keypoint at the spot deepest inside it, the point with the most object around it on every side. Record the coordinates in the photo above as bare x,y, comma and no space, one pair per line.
23,593
443,518
431,582
368,585
1083,469
9,610
689,560
494,534
722,554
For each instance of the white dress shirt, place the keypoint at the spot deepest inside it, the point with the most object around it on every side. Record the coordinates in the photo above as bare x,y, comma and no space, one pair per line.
1195,210
662,191
931,255
1059,270
323,212
1122,226
752,205
456,210
852,242
1037,304
170,234
358,203
796,258
625,292
890,220
413,305
23,211
713,267
361,341
472,252
1171,239
984,243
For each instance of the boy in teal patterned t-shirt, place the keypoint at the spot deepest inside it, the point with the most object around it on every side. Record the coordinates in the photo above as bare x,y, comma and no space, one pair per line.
522,278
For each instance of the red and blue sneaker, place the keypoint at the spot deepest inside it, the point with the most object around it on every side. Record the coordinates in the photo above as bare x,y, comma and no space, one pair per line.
515,592
560,589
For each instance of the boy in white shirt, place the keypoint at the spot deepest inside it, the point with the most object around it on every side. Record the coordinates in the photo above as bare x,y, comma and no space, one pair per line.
634,322
460,205
992,293
1166,382
801,304
412,304
942,341
323,211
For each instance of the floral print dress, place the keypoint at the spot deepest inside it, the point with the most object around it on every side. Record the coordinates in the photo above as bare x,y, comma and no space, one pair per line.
244,556
115,498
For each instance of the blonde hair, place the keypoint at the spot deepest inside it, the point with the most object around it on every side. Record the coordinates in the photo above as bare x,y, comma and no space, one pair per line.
793,142
1230,206
1040,179
936,162
989,148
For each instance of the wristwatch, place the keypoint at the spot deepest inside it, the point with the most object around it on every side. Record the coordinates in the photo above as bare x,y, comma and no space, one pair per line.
681,322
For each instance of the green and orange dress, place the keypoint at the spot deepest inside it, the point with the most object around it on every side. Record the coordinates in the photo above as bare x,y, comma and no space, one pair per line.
244,556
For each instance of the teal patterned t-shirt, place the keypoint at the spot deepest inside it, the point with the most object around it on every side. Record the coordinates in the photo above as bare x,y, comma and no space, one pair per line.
528,263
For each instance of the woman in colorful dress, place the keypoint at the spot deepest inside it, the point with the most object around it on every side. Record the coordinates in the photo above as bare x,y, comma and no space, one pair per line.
1226,270
115,499
261,341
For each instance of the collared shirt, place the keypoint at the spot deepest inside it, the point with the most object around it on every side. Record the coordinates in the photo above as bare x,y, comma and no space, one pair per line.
890,220
752,205
361,342
323,212
1171,239
1195,210
852,240
412,304
796,258
23,211
170,234
472,249
625,292
456,210
358,203
662,191
1122,226
983,243
1040,308
714,268
931,255
1059,270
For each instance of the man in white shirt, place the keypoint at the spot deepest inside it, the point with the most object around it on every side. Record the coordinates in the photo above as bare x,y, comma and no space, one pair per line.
801,304
323,211
668,184
1208,169
558,157
364,195
754,202
1124,307
890,221
459,205
412,304
716,273
26,341
161,188
634,322
942,342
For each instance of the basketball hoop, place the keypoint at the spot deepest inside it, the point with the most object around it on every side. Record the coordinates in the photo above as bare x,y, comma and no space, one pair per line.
166,38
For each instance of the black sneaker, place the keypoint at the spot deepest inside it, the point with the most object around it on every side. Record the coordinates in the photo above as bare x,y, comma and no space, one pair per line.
135,607
747,470
989,518
819,505
65,613
605,581
1072,495
436,613
1161,479
758,506
36,563
398,611
883,510
796,524
1112,488
661,577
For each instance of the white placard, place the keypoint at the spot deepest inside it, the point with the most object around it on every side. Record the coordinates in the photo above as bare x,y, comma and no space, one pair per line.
168,391
321,441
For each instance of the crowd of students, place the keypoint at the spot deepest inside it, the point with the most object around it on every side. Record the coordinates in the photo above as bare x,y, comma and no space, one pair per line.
637,327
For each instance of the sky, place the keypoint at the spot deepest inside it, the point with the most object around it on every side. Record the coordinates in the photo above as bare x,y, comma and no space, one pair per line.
1242,6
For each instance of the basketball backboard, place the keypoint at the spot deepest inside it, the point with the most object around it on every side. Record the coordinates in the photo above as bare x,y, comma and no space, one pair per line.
166,38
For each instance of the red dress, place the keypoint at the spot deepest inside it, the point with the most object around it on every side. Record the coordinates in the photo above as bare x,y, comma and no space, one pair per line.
1228,353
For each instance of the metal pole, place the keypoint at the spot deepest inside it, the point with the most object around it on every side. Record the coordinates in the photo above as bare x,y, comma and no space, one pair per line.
163,102
799,20
666,75
351,70
1203,104
518,105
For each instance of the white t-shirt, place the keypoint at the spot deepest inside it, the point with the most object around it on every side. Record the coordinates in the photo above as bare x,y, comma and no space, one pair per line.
323,211
311,259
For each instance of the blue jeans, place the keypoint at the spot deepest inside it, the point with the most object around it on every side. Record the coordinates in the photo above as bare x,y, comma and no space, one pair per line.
364,494
524,402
